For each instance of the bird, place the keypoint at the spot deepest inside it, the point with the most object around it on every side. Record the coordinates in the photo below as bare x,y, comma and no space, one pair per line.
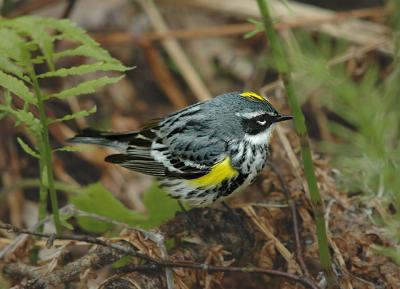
201,154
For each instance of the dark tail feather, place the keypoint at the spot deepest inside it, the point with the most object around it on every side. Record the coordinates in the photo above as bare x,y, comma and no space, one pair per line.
119,141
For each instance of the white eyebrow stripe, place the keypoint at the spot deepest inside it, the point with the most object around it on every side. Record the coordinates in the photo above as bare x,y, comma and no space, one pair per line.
250,115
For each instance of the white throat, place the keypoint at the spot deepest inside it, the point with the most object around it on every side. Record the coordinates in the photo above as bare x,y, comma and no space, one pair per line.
263,138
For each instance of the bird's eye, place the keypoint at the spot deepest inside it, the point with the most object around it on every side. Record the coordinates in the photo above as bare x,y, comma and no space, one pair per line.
261,122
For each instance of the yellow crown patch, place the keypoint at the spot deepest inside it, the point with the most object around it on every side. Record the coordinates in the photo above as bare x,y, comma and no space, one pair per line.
253,96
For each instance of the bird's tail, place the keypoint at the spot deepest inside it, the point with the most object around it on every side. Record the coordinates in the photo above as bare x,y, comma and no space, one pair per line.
118,141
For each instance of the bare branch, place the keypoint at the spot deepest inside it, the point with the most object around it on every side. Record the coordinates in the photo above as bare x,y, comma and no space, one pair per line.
156,264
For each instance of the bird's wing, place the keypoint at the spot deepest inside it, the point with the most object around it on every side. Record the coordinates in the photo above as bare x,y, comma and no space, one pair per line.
188,152
189,149
137,155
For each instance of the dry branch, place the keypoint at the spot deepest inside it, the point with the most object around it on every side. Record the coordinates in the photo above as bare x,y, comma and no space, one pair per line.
356,31
215,227
121,37
39,278
176,52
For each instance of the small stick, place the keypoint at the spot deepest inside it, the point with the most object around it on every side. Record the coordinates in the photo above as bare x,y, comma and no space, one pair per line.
69,8
164,263
176,52
295,221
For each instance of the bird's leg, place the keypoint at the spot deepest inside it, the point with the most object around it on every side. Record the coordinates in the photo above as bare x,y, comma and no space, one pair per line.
239,220
189,220
182,207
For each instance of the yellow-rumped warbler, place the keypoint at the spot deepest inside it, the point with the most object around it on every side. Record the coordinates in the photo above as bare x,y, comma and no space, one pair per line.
202,153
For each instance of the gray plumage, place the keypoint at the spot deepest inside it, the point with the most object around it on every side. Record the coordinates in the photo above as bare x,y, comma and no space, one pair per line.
186,145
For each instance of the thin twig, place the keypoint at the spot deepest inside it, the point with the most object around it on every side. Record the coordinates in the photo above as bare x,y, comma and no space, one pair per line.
69,8
11,247
230,29
86,239
282,65
216,269
353,30
163,75
97,258
295,221
163,263
286,254
157,238
176,52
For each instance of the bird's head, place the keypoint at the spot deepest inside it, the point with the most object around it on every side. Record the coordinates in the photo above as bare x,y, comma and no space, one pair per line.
247,115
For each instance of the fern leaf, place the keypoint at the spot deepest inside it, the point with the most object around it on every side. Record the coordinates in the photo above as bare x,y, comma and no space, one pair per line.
21,115
83,69
8,66
82,113
86,87
28,149
69,30
12,45
35,28
17,87
94,52
71,149
28,119
7,98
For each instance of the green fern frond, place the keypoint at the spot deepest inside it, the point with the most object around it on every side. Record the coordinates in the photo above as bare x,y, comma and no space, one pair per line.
69,30
8,66
84,69
17,87
28,149
259,28
82,113
86,87
28,119
94,52
37,30
71,149
25,42
15,46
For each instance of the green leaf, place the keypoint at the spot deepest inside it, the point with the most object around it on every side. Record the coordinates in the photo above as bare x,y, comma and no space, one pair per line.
82,113
160,207
91,225
34,27
17,87
8,66
14,47
83,69
251,33
122,262
28,119
71,149
7,98
69,30
86,87
98,200
259,28
28,149
64,221
94,52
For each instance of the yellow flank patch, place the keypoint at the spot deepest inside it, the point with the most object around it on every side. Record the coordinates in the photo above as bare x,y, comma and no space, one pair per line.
219,172
253,95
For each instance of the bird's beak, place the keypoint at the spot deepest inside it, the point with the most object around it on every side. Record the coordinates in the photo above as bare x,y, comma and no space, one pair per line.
283,117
